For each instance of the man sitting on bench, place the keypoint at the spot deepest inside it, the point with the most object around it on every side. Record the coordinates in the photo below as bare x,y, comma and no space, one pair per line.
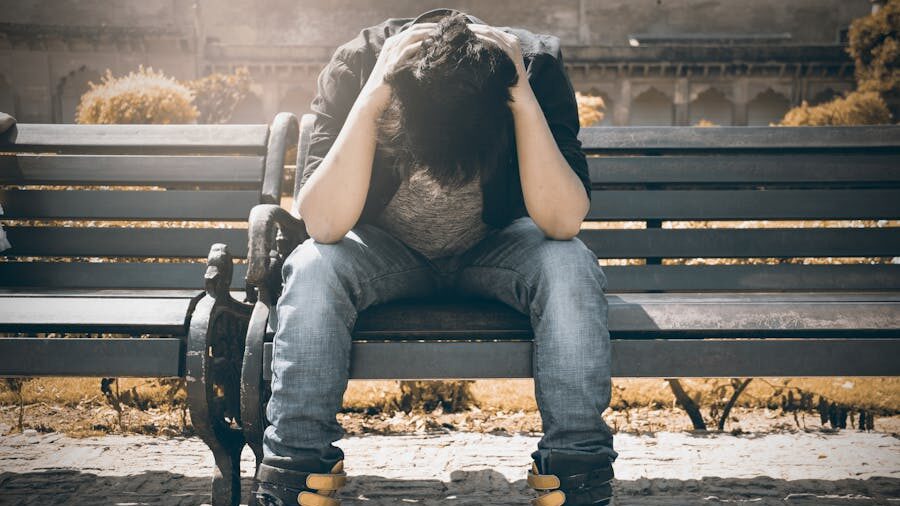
444,159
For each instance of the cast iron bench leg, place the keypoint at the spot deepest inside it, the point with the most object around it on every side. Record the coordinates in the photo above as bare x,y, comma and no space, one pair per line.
213,373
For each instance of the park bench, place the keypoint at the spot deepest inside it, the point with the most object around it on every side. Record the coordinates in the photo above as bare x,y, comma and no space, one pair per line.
66,191
667,318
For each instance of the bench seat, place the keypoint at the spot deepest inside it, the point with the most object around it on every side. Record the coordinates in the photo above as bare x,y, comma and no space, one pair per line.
653,335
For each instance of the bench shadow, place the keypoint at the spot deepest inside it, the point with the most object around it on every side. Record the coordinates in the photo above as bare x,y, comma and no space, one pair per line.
470,488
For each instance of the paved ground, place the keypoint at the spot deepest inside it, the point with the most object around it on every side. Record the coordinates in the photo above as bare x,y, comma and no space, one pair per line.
848,468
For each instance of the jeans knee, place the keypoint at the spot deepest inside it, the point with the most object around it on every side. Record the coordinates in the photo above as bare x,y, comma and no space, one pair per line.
570,266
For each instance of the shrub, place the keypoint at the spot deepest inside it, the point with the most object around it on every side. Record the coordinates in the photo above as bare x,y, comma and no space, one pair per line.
857,108
142,97
590,109
217,95
874,46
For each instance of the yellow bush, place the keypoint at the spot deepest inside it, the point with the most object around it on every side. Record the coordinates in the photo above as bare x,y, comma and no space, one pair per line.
142,97
217,95
874,45
590,109
857,108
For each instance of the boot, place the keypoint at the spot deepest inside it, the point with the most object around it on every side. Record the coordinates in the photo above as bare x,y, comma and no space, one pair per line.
275,486
572,480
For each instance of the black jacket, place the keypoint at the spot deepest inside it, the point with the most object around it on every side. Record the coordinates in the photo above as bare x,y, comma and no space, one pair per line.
341,80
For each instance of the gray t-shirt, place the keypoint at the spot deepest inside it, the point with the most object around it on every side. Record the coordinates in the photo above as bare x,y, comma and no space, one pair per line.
435,220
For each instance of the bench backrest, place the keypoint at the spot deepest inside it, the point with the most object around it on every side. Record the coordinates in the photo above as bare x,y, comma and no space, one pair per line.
132,206
656,189
794,209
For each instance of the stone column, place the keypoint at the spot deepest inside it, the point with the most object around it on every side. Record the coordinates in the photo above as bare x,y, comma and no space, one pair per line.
681,98
622,107
741,98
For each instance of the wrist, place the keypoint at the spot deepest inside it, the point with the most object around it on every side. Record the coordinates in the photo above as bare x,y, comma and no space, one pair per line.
523,98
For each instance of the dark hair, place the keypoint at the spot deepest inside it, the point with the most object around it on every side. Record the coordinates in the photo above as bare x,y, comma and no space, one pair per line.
449,110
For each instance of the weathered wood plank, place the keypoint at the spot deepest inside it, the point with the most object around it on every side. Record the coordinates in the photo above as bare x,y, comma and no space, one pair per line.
136,138
122,242
652,315
110,275
743,243
744,204
785,277
630,358
738,138
137,358
747,168
161,315
662,243
89,169
130,205
637,278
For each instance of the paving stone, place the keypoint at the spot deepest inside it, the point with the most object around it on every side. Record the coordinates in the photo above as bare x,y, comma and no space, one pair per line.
469,469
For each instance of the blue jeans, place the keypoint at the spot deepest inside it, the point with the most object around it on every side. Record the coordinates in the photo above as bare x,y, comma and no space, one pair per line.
558,283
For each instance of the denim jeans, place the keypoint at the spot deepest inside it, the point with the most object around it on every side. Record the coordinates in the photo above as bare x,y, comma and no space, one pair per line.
559,284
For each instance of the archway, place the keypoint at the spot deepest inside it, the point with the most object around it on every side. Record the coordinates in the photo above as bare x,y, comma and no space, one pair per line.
652,108
69,92
7,97
712,106
249,111
768,107
296,100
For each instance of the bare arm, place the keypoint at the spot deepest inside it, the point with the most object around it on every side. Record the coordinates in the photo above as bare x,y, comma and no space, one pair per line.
554,195
332,199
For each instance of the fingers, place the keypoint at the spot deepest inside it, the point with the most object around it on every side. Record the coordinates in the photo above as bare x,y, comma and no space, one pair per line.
414,33
409,51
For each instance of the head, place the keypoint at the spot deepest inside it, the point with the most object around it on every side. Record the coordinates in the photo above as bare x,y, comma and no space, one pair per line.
449,110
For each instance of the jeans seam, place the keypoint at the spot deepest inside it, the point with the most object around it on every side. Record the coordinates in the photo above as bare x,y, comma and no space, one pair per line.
357,292
532,299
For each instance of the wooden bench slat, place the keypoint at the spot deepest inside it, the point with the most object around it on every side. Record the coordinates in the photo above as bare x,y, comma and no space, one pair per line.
783,277
744,204
737,138
643,243
651,315
743,243
750,168
123,242
25,169
634,278
109,275
130,205
137,358
630,359
136,138
150,315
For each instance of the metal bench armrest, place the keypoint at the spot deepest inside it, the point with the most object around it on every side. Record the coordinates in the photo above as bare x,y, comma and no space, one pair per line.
274,233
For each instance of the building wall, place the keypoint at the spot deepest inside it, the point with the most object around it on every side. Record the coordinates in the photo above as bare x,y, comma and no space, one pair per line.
50,50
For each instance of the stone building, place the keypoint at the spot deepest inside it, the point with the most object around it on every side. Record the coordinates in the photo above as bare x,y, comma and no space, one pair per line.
655,62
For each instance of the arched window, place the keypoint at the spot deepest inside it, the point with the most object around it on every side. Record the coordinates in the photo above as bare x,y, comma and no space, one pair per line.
69,91
712,106
652,108
768,107
826,95
7,97
296,100
249,111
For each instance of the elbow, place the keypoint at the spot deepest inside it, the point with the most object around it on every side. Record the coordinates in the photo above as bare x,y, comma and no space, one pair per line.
320,228
323,234
563,230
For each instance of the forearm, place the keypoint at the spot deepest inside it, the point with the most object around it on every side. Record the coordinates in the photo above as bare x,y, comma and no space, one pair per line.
553,193
332,199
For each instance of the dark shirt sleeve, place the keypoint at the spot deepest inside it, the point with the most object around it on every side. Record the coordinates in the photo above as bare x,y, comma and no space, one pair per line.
555,93
338,88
